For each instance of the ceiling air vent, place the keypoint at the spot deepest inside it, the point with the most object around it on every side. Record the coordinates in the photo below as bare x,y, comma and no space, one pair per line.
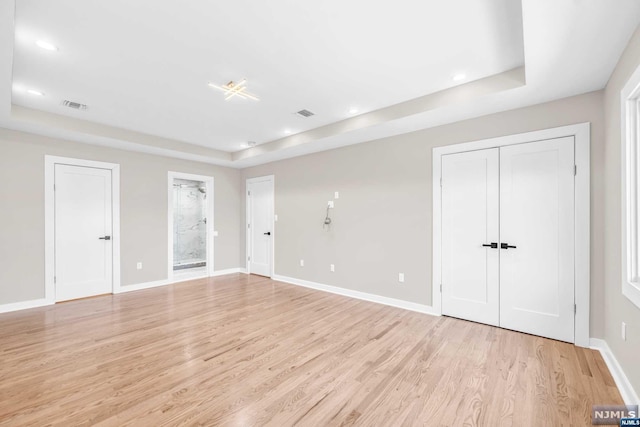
74,105
305,113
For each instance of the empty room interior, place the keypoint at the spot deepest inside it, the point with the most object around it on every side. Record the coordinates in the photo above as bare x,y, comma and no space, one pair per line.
282,213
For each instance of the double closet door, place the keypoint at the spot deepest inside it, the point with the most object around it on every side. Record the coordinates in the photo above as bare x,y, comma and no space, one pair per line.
508,237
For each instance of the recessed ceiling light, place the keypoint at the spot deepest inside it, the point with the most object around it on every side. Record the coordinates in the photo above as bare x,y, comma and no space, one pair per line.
458,77
353,110
34,92
287,132
46,45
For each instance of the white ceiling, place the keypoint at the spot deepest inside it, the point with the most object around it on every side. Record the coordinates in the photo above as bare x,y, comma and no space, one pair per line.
143,66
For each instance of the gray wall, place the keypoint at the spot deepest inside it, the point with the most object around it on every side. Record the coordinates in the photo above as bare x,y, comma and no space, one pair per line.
382,221
143,211
617,307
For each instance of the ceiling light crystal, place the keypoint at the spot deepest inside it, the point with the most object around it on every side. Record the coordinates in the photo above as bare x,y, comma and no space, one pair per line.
46,45
232,89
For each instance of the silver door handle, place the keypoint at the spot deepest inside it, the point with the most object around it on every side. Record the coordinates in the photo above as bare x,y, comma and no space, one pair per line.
104,238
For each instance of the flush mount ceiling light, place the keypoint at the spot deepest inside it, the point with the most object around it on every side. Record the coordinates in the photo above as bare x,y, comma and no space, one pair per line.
232,89
34,92
459,77
353,110
46,45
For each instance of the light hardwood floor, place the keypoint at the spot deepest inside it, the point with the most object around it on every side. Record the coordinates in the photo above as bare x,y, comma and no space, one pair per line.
244,350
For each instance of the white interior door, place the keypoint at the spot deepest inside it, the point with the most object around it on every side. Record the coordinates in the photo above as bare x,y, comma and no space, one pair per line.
83,229
537,223
470,205
260,223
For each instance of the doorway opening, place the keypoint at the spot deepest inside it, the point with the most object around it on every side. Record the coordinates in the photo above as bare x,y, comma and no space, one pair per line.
190,226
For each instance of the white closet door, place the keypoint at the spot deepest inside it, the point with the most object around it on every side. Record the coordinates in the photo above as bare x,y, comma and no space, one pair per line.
537,217
260,205
470,207
83,225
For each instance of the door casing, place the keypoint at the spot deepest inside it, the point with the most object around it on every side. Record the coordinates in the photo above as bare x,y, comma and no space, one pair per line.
49,218
582,214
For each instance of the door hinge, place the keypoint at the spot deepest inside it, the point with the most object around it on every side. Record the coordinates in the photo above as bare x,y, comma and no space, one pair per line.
440,181
248,225
440,287
575,309
575,170
54,187
248,193
248,258
55,279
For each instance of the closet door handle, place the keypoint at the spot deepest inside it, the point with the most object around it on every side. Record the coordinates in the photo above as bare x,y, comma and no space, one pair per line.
268,233
506,246
104,238
492,245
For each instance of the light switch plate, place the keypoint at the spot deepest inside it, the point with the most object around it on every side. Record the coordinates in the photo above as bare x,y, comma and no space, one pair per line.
215,234
336,195
330,204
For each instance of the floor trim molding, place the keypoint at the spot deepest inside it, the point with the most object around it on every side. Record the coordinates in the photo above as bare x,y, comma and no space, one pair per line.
412,306
165,282
627,391
24,305
229,271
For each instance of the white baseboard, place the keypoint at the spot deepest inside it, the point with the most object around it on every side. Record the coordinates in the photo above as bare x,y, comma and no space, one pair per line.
140,286
627,391
229,271
23,305
178,279
412,306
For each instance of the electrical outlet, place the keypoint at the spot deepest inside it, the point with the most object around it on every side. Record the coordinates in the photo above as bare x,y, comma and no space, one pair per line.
330,204
401,277
301,263
336,195
624,331
332,267
139,266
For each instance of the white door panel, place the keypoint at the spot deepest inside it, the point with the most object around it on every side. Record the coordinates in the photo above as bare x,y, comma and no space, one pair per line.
260,205
83,261
537,216
470,204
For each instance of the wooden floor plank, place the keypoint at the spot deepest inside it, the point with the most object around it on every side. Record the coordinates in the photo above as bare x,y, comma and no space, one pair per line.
246,350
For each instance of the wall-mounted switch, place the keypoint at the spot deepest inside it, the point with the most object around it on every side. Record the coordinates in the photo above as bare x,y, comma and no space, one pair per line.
275,218
330,204
215,234
401,277
336,195
332,267
624,331
301,263
139,266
